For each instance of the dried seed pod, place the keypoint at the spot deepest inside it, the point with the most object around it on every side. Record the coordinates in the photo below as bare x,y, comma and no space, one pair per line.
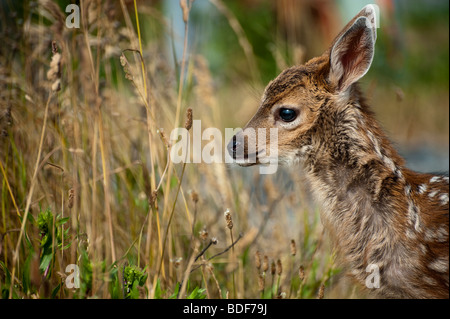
293,248
163,137
126,69
71,198
301,273
279,267
273,268
54,73
265,263
153,198
194,197
228,219
176,261
281,295
185,9
261,282
258,260
203,234
188,123
321,291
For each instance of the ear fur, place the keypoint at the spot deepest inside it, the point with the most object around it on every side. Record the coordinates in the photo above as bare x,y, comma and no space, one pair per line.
352,52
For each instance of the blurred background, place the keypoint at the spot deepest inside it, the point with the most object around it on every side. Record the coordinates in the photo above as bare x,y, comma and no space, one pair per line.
102,193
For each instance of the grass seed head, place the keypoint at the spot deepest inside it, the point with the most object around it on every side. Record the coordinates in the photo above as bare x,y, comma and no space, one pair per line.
71,198
176,261
320,294
279,267
188,123
273,268
281,295
203,234
126,68
258,260
54,73
153,198
301,273
228,219
163,137
293,248
194,196
185,9
261,282
265,263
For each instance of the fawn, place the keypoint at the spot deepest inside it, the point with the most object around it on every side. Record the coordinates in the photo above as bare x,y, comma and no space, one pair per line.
375,209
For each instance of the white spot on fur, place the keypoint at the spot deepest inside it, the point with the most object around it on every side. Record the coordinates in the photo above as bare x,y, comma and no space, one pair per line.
435,179
429,280
385,159
423,188
439,235
414,216
432,194
442,235
439,264
410,234
389,163
423,249
413,210
375,144
444,199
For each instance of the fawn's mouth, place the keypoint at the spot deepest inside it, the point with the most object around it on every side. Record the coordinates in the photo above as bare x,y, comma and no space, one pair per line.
247,160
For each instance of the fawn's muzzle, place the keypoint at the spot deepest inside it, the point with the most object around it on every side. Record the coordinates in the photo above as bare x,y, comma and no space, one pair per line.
238,149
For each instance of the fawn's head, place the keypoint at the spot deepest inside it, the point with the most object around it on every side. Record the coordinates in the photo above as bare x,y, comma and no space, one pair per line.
293,101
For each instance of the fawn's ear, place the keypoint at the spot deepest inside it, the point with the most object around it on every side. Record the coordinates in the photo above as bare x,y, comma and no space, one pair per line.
352,52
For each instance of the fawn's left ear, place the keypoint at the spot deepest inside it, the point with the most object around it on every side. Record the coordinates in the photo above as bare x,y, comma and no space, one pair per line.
352,52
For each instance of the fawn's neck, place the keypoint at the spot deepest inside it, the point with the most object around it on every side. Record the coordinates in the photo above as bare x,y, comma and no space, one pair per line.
350,153
376,211
359,179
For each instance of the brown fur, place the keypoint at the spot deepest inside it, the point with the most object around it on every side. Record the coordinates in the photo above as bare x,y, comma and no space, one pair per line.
376,210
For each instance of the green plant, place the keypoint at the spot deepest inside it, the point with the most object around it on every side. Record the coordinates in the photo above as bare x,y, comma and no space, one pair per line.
133,278
53,237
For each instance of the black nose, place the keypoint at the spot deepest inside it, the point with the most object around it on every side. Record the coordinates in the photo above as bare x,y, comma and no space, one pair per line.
232,146
235,143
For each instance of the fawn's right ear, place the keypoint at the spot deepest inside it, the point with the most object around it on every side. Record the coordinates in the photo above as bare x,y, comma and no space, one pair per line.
352,52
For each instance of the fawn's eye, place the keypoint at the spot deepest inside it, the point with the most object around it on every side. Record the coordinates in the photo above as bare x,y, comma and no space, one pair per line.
287,115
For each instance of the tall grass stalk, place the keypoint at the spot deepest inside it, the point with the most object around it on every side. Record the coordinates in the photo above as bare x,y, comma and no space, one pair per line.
30,194
149,113
185,9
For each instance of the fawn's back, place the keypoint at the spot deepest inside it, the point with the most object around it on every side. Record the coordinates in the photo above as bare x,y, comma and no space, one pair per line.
376,210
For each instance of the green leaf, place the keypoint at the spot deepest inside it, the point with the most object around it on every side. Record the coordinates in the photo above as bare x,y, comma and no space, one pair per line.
175,293
197,293
56,290
114,286
134,292
158,291
61,221
45,262
26,282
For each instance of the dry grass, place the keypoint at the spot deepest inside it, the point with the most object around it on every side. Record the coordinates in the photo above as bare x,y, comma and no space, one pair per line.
95,154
